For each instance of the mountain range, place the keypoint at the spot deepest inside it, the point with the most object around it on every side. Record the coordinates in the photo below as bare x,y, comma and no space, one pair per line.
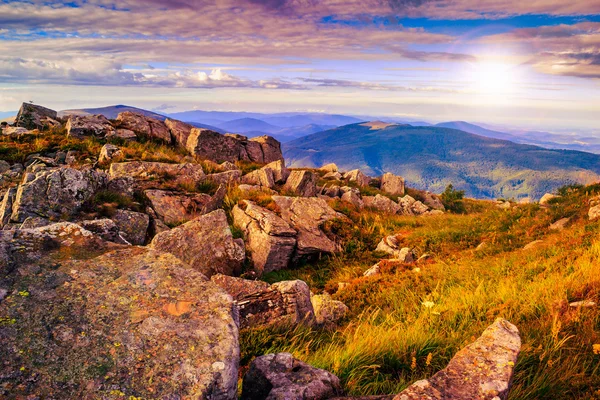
432,157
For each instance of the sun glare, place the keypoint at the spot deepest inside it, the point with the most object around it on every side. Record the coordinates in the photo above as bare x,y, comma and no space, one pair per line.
493,78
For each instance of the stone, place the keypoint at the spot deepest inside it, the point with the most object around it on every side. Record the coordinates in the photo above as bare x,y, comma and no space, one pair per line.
175,208
333,176
124,134
270,240
281,376
226,178
228,166
381,203
30,116
133,226
35,222
331,167
66,190
583,304
211,145
108,152
433,201
80,126
352,195
150,171
392,184
391,246
560,224
260,177
419,208
331,191
328,312
545,200
255,188
180,131
145,126
205,243
280,172
7,205
504,205
15,131
270,149
482,370
173,332
358,177
410,206
374,270
261,304
302,183
104,228
306,216
594,213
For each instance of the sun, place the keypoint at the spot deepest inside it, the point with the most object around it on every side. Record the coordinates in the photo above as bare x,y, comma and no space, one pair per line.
492,78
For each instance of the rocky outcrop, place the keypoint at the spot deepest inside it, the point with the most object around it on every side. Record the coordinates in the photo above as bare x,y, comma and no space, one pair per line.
175,208
108,152
280,172
331,167
6,206
80,126
260,177
594,213
410,206
432,201
392,184
270,240
302,183
180,131
381,203
104,228
205,243
144,126
357,177
328,312
545,200
259,304
112,321
226,178
482,370
307,215
133,226
149,171
281,376
213,146
65,191
32,116
352,195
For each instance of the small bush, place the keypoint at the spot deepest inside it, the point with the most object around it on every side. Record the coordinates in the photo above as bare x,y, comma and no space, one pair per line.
453,199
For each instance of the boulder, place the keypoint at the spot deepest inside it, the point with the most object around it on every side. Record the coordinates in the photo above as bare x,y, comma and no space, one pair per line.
260,177
260,304
560,224
330,191
133,319
32,116
145,126
125,134
331,167
150,171
594,213
533,245
392,184
280,172
410,206
255,188
205,243
226,178
358,177
374,270
133,226
352,195
302,182
175,208
7,205
80,126
213,146
108,152
391,246
332,176
180,131
270,240
482,370
66,190
104,228
545,200
15,131
307,215
281,376
270,149
433,201
228,166
328,312
381,203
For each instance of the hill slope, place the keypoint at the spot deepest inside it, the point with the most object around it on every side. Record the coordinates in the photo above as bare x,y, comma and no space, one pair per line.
432,157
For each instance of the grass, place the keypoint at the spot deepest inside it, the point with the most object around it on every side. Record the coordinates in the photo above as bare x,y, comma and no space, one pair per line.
390,339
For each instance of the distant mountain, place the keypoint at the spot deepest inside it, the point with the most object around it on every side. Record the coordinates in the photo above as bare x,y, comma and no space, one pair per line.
433,157
244,125
7,114
205,126
111,112
288,134
477,130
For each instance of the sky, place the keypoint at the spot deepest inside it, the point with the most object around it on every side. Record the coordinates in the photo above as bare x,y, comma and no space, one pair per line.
533,64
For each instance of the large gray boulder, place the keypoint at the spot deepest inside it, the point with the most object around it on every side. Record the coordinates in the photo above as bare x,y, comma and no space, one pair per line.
357,177
205,243
64,190
129,318
32,116
594,213
302,183
180,131
133,226
175,208
307,215
144,126
80,126
381,203
392,184
213,146
391,246
282,377
260,304
328,312
270,240
482,370
280,172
